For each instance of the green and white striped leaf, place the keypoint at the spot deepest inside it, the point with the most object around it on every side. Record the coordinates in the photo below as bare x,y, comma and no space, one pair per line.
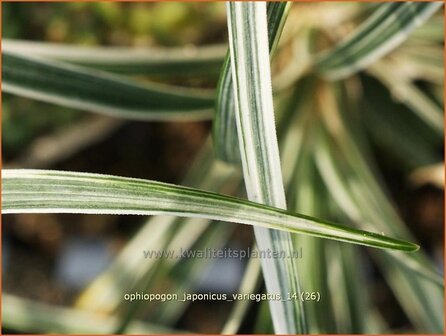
46,191
224,125
259,152
159,62
96,91
386,29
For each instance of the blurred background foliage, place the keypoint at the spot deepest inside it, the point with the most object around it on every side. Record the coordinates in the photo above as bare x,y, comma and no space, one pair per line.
92,24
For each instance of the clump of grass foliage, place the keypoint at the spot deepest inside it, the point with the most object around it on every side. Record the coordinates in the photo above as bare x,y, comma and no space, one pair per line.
326,102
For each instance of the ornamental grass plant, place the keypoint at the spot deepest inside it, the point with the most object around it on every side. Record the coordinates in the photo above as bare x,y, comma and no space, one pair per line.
309,111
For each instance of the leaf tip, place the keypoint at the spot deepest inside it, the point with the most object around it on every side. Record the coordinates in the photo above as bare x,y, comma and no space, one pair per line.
410,247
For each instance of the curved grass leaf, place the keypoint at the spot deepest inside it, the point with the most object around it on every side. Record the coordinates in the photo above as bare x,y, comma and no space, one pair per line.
387,28
160,62
224,131
96,91
46,191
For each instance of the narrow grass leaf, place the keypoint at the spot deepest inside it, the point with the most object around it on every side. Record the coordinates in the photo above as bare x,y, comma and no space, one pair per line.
224,129
386,29
250,65
96,91
44,191
159,62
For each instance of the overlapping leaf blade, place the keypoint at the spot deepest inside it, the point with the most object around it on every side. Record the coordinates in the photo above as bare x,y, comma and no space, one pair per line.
224,124
44,191
254,113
